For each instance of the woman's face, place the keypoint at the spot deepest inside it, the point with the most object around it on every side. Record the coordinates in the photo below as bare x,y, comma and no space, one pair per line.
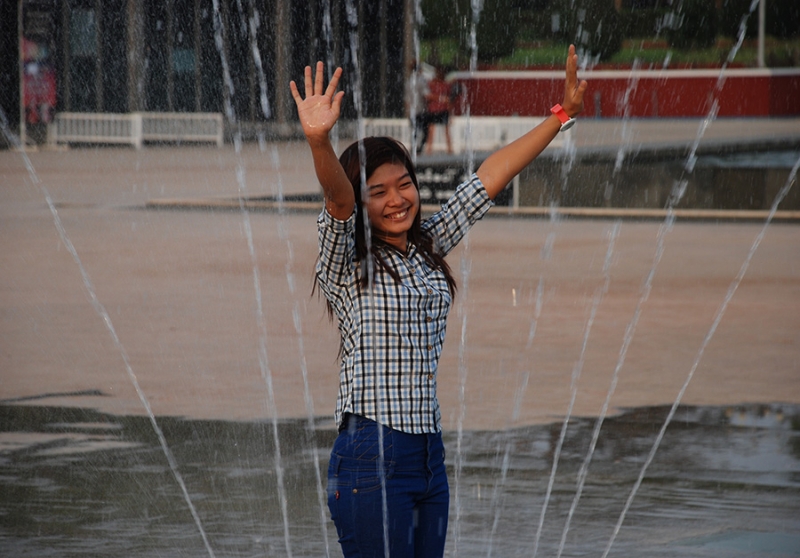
392,203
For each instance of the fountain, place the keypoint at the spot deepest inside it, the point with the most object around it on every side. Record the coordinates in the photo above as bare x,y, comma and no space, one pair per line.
168,448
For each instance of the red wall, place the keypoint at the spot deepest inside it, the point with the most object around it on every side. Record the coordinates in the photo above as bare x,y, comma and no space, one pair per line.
667,93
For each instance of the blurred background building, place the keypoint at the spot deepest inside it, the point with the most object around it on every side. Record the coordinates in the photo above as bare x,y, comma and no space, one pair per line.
126,56
167,55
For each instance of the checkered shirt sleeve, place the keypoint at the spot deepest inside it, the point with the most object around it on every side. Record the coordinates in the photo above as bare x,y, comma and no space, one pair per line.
466,206
392,333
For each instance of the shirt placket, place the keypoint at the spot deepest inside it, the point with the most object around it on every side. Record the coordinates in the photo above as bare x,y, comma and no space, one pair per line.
424,374
428,328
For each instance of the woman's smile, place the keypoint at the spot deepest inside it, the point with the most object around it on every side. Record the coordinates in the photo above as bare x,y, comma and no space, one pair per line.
398,215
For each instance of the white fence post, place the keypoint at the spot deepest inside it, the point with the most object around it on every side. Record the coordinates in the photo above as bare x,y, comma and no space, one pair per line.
136,130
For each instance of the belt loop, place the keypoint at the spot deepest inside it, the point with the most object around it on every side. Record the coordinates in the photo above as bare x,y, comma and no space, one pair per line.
428,443
336,462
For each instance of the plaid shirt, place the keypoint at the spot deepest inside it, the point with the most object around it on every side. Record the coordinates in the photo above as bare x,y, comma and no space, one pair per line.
392,334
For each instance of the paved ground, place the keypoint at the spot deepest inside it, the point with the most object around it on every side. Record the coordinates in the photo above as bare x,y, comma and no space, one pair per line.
178,287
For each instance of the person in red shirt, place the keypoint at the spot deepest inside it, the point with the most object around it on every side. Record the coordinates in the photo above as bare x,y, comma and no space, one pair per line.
439,107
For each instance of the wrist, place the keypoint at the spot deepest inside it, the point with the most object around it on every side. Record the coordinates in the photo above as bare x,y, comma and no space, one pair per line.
318,139
566,120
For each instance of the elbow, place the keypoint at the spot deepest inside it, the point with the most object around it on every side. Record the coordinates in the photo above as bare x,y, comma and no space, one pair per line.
339,209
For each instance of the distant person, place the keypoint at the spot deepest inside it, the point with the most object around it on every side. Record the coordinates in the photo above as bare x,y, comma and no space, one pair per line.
439,99
417,95
383,273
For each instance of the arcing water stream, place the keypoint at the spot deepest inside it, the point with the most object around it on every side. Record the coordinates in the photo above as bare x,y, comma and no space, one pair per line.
507,470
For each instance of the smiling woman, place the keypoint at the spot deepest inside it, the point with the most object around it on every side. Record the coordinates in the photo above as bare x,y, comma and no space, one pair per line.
383,273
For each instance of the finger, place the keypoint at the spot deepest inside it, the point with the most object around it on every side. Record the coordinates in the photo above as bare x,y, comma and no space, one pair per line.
319,79
336,105
295,93
334,83
572,66
571,83
307,77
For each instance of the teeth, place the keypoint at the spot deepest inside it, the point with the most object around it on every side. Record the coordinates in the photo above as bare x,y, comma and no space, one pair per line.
398,215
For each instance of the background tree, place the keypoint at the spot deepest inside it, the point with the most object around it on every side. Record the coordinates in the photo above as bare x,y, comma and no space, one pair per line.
692,24
438,22
594,26
497,28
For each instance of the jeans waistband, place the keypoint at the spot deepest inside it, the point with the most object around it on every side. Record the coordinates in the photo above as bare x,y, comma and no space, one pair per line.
360,439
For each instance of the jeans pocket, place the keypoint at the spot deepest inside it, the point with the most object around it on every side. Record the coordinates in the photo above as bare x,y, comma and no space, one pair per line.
361,476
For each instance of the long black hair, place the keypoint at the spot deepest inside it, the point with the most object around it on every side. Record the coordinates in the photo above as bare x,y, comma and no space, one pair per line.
378,151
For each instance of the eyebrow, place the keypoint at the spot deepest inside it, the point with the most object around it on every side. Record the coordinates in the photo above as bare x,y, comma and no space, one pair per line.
382,185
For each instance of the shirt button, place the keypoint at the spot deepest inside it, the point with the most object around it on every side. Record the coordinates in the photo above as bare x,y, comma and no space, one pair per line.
430,291
413,270
428,319
430,376
430,348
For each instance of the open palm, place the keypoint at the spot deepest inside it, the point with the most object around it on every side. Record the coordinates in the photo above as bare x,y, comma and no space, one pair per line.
319,111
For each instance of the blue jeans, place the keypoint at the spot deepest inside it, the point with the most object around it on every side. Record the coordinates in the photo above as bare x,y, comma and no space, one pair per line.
417,494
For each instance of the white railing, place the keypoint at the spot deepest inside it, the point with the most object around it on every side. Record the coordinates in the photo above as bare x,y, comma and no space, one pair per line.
480,133
80,127
397,128
135,128
182,126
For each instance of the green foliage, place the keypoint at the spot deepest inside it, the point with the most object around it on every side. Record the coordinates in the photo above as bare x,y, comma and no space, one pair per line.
691,43
592,25
534,25
642,22
547,54
692,24
496,31
438,21
782,18
730,18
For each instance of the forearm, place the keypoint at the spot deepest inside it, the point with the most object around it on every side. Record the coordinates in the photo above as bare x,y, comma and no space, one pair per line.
318,114
504,164
338,192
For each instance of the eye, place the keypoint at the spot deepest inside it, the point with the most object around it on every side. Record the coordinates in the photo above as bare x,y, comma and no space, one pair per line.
406,184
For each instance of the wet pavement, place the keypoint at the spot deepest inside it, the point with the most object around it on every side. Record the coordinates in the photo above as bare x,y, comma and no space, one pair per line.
725,482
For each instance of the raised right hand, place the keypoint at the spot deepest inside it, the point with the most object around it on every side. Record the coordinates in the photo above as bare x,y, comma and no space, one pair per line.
319,111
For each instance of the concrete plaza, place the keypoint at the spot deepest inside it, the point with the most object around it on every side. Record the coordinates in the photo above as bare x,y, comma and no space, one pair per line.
178,289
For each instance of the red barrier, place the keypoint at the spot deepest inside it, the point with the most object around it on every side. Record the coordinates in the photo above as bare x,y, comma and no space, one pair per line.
640,93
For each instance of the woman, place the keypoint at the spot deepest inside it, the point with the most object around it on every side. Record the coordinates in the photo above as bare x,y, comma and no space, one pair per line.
383,273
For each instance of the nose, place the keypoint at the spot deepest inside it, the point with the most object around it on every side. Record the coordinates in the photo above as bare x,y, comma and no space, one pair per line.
394,197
